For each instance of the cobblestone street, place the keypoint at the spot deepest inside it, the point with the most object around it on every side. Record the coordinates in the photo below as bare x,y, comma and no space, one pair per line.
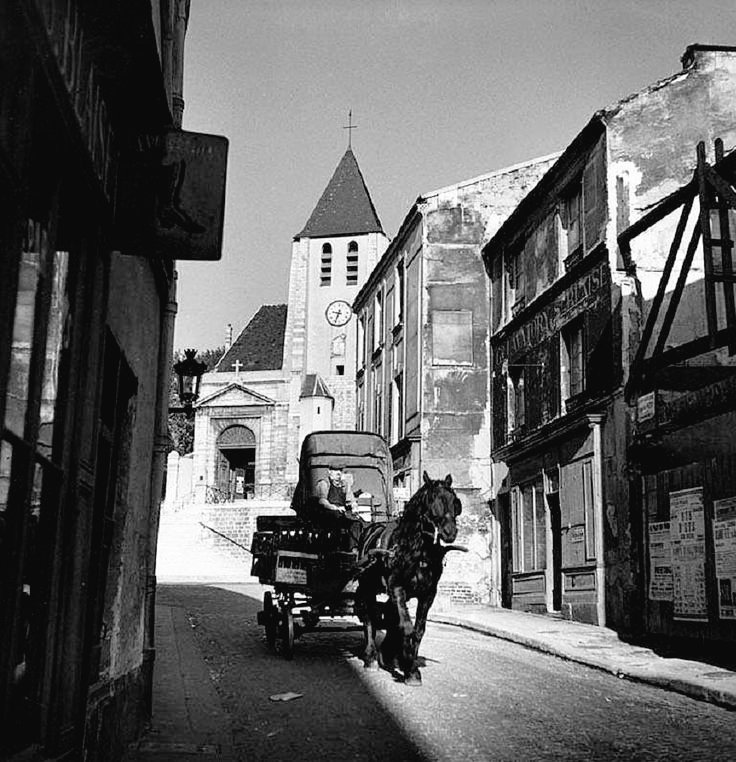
482,698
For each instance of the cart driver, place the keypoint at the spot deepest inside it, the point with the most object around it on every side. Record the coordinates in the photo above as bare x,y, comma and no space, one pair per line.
335,495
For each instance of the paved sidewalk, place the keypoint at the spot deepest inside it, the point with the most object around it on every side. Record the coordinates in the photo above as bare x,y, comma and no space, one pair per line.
188,719
597,647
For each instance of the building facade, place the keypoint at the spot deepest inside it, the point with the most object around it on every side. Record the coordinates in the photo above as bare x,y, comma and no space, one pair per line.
681,387
422,373
86,324
566,315
291,369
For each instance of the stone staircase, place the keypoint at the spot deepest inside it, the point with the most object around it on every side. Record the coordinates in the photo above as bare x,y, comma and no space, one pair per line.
185,552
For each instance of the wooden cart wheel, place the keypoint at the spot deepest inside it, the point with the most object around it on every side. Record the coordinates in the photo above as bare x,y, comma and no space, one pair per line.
270,617
287,633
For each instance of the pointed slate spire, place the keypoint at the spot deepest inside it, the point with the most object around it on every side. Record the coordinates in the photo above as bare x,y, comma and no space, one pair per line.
345,207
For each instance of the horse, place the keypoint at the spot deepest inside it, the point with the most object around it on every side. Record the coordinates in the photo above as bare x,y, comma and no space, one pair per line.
406,561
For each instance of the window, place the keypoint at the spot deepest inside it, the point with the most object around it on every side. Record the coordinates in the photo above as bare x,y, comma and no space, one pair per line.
325,274
352,264
340,369
399,294
378,317
571,217
515,399
396,425
528,523
572,362
377,401
361,341
513,283
452,337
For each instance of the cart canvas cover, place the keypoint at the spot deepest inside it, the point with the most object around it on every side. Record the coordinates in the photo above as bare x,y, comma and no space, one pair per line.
362,454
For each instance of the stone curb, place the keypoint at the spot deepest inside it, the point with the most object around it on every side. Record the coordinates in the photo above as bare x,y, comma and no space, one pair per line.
697,687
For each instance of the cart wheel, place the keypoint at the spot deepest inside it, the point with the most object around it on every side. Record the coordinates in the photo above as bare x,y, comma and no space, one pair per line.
287,633
270,618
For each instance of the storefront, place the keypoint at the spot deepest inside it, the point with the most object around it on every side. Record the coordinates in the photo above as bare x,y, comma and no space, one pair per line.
86,325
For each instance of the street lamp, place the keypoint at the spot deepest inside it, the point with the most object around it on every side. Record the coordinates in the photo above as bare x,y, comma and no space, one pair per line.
189,372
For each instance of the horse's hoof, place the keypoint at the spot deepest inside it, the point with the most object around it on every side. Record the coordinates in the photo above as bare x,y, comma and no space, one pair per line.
370,665
414,680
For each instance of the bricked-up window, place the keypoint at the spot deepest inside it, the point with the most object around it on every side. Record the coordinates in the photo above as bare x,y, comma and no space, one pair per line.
572,361
452,337
325,273
352,264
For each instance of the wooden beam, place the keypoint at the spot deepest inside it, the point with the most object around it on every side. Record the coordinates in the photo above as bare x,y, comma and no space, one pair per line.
726,245
662,288
677,293
705,197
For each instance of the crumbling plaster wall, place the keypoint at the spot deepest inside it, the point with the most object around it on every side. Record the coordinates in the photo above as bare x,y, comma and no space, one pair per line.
456,412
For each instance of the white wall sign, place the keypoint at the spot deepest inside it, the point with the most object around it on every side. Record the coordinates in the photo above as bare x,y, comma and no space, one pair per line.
687,529
724,540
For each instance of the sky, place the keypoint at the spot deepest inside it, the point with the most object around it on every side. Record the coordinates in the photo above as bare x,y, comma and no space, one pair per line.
440,90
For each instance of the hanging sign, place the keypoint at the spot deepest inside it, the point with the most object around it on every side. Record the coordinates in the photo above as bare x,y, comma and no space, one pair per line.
173,203
687,530
724,541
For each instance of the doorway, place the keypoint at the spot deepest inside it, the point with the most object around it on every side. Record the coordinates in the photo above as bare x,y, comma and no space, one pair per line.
555,521
236,463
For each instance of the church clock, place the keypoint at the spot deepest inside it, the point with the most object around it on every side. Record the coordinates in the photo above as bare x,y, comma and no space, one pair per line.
338,312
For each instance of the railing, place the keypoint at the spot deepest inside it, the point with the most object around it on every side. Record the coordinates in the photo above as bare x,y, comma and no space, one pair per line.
252,492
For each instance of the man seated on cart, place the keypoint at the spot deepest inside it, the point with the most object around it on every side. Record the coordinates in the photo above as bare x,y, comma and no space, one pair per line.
337,503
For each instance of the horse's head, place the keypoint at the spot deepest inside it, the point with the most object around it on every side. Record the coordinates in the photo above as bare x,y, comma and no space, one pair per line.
441,507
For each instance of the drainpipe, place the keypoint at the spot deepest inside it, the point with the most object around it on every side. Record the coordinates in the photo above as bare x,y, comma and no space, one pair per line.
596,422
161,446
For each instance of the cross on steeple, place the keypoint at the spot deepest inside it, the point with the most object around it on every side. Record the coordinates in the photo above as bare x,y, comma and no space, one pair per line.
350,127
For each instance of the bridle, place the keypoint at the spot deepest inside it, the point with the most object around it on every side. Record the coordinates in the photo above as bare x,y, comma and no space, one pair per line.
430,528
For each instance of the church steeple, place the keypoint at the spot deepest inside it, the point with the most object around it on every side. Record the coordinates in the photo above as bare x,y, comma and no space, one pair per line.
345,207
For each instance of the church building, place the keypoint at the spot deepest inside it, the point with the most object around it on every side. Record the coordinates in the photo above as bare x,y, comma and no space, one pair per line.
291,370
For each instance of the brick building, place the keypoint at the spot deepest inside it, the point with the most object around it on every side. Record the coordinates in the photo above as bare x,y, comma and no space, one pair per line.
566,312
422,376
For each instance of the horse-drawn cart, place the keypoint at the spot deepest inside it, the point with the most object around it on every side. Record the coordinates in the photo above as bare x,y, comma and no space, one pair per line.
310,559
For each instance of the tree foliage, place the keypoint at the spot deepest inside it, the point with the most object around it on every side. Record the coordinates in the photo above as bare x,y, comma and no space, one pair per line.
181,428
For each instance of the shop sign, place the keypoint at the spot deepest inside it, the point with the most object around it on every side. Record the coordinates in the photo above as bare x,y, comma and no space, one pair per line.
687,529
402,493
660,561
645,407
700,403
587,293
190,197
81,79
724,541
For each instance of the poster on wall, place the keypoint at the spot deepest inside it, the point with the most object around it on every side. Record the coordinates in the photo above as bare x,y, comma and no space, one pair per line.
687,530
724,540
660,561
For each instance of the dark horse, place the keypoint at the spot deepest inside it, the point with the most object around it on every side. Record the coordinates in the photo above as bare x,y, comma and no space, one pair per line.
408,561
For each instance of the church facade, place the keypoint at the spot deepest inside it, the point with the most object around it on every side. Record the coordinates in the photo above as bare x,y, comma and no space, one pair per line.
291,370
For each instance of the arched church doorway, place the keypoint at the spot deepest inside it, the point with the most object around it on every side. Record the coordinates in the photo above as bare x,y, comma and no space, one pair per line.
236,462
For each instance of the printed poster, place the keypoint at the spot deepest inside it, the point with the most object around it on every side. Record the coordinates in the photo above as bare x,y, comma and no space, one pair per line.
660,561
724,540
687,530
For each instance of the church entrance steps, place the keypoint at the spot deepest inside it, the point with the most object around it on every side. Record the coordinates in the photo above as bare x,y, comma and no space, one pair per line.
205,541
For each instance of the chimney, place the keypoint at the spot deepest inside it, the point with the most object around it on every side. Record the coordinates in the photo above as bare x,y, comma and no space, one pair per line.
695,55
228,336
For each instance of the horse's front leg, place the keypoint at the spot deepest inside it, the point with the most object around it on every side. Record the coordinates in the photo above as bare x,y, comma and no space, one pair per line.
365,604
424,603
407,649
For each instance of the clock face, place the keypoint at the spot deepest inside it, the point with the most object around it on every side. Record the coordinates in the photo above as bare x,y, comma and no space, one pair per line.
338,313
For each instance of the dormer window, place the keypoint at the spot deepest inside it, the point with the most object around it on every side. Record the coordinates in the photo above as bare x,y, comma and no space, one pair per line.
325,275
352,264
